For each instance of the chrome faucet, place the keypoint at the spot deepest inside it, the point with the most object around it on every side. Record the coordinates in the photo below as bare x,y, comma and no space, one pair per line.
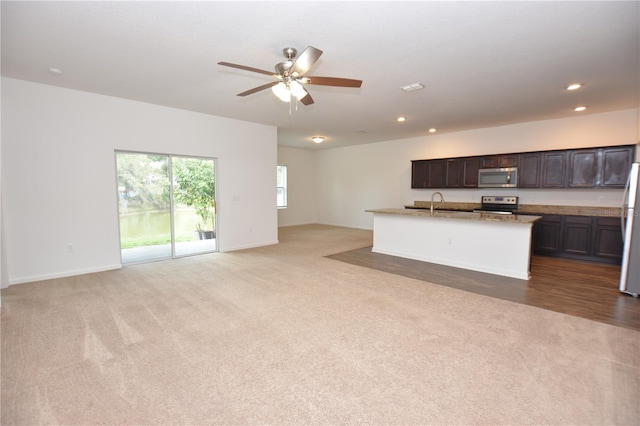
433,196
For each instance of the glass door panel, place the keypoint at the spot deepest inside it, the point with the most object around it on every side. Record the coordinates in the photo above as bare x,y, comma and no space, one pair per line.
194,205
144,207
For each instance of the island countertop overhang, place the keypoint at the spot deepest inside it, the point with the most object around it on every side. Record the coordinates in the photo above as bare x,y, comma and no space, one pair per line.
450,214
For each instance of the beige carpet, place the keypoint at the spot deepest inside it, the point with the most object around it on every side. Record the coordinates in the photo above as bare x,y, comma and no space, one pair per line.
282,335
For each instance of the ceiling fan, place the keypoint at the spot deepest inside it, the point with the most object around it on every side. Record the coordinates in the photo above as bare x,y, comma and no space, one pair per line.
290,76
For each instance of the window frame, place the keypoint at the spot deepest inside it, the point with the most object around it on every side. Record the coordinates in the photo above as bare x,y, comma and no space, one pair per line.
281,170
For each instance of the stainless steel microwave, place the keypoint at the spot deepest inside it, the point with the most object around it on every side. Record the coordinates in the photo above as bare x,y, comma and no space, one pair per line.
504,177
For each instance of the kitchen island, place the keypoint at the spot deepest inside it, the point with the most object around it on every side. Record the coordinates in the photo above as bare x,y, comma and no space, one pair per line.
485,242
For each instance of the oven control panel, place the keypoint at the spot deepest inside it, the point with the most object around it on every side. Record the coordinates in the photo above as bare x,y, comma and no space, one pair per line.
494,199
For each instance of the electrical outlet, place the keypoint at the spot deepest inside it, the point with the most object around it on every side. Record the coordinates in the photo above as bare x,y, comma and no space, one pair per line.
70,248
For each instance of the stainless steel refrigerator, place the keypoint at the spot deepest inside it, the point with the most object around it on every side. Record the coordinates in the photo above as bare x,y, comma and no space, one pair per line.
630,272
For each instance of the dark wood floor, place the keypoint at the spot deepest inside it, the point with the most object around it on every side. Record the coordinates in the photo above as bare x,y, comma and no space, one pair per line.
582,289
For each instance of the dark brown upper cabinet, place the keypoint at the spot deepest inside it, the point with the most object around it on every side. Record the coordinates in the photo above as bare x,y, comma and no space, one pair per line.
603,167
445,173
436,174
502,160
470,167
554,168
427,173
583,168
600,167
529,170
490,161
615,166
419,173
453,173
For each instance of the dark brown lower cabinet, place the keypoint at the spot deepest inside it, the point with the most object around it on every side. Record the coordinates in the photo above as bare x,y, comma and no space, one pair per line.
608,238
576,237
594,239
547,235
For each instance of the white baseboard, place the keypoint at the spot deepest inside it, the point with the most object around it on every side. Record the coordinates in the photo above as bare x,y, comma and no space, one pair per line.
296,224
366,228
249,246
64,274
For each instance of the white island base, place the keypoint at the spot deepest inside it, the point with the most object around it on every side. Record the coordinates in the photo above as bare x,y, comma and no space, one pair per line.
462,240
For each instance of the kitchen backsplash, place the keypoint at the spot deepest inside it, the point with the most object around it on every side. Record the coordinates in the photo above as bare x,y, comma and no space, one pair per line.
558,197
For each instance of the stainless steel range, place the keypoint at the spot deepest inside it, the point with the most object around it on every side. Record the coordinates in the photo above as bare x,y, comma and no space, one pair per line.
498,204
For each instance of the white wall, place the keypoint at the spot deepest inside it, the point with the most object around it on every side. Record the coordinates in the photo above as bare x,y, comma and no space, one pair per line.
301,200
59,181
351,180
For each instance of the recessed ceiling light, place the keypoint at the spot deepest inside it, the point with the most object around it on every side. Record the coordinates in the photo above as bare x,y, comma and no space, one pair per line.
432,130
580,108
55,71
574,86
401,119
318,139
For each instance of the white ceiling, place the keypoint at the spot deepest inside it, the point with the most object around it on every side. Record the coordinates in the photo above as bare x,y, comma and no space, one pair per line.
483,64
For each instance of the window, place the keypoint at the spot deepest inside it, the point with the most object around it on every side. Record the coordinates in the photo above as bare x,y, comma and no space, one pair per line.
281,182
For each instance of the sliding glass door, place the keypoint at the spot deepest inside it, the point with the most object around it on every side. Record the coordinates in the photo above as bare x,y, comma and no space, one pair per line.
194,205
166,206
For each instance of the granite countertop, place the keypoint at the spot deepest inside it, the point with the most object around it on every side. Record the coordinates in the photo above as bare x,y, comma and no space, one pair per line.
445,206
526,209
571,210
452,214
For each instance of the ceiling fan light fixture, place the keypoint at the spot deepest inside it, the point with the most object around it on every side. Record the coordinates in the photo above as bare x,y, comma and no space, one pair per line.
290,76
281,91
297,90
318,139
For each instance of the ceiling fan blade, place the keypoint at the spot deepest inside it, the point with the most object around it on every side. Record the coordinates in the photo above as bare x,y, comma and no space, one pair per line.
305,61
257,89
307,100
333,81
242,67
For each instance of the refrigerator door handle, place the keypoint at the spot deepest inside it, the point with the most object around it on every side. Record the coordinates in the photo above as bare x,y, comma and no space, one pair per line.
625,204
